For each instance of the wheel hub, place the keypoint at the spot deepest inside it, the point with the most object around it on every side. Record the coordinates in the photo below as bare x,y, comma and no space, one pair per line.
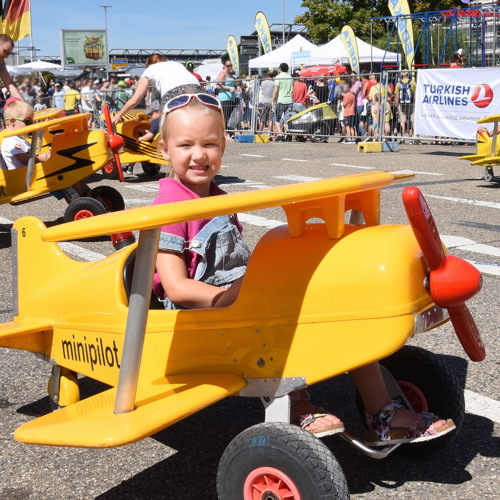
269,495
268,483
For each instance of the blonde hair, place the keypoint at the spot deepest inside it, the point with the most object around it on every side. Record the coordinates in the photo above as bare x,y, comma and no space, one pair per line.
17,109
192,107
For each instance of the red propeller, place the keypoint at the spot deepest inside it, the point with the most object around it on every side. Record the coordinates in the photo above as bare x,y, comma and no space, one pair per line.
115,141
452,281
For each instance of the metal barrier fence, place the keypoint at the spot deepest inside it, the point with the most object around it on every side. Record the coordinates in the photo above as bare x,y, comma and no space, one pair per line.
385,110
317,117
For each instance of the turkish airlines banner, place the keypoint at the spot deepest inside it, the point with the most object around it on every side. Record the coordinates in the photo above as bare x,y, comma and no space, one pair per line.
449,102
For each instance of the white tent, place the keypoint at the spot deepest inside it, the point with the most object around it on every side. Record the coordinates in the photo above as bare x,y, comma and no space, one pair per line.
210,68
39,66
334,51
283,54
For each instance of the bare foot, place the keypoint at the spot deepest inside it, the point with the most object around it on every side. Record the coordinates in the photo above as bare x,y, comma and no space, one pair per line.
404,418
305,406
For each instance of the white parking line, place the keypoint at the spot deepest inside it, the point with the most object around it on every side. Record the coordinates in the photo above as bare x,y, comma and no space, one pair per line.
246,184
145,189
482,406
5,221
78,251
351,166
489,204
137,201
469,245
486,267
253,156
297,178
293,159
256,220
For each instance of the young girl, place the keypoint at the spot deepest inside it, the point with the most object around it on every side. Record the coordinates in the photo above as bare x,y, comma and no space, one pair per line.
201,264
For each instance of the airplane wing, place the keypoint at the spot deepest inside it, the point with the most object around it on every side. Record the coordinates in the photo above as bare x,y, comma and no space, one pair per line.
81,117
92,423
290,197
24,335
49,113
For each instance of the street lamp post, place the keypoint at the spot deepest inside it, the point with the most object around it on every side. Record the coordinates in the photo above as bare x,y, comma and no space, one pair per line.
106,7
283,12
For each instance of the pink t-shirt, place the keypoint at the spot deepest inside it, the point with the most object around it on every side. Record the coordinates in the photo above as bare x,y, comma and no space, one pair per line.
171,190
357,90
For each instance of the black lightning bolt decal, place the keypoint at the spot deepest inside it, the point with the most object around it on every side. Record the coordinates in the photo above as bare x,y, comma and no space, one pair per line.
78,162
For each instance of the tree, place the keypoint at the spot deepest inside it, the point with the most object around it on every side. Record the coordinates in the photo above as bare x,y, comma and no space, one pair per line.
325,18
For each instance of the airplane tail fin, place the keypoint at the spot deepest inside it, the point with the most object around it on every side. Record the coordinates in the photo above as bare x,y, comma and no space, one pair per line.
34,262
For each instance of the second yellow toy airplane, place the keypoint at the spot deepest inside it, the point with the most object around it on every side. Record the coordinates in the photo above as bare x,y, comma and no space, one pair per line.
488,149
76,153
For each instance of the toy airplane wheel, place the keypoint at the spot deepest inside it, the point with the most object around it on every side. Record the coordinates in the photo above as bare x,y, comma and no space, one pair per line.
151,169
110,172
429,385
111,198
321,133
488,174
279,461
83,208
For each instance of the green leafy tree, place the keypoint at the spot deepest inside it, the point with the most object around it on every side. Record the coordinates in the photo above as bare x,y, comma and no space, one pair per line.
325,18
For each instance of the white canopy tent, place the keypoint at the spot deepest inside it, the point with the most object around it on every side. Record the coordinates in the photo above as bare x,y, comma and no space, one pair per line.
39,66
283,54
211,68
334,51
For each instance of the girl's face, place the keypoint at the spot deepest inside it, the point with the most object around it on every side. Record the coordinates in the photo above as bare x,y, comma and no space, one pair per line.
194,146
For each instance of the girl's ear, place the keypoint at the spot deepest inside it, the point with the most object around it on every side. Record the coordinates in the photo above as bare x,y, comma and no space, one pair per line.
162,146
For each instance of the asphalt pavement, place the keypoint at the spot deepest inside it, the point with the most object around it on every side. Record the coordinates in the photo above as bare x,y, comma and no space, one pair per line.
181,461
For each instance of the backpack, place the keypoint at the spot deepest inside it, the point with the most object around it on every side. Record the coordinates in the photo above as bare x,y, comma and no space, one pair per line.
405,92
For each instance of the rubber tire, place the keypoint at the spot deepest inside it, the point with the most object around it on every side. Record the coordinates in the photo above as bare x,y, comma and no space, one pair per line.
112,175
444,395
302,457
111,198
321,133
84,203
151,169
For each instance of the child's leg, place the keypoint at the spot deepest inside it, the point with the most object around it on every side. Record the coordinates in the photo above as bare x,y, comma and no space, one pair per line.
371,387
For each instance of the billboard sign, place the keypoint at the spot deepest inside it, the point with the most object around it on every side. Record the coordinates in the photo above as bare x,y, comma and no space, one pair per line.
84,48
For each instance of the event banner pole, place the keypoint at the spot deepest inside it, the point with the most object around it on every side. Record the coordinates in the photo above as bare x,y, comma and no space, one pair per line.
351,47
262,27
232,50
405,28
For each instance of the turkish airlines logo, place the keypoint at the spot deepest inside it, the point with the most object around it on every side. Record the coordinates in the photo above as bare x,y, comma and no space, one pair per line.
482,96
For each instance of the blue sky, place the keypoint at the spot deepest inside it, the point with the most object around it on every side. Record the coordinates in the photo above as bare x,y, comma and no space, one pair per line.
152,24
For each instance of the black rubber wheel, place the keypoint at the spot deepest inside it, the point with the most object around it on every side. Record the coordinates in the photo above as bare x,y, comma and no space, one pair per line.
111,198
151,169
263,455
320,132
83,208
428,383
109,171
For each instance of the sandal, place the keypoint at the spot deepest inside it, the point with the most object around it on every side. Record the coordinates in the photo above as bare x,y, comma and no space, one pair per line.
380,433
307,419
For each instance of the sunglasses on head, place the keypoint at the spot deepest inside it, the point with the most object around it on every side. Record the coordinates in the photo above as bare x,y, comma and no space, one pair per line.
184,99
26,121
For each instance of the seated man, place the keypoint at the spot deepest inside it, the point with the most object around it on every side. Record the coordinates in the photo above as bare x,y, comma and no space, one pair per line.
15,149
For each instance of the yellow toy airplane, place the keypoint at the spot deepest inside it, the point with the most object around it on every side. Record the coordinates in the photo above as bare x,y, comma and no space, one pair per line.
76,153
146,153
317,300
488,149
